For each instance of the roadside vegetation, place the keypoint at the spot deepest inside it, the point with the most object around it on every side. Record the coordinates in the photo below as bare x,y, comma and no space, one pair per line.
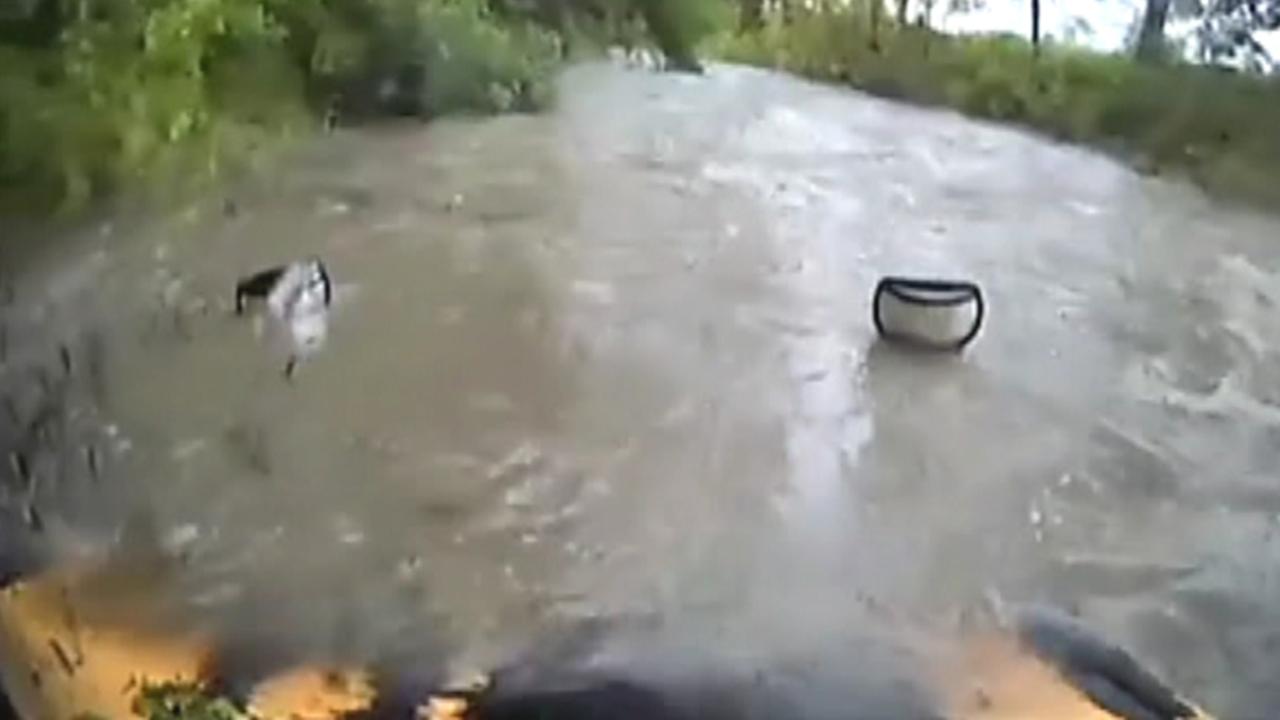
165,95
97,95
1216,125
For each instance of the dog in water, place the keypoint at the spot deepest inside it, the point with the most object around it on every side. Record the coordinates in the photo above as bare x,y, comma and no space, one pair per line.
297,298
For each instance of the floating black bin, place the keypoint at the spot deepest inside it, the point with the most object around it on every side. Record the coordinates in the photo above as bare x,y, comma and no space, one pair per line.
943,315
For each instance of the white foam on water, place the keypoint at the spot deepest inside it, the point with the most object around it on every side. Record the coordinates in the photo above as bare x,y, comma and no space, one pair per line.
788,131
1231,398
1249,298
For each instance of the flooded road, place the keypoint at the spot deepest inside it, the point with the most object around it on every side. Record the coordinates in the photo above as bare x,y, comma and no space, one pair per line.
614,368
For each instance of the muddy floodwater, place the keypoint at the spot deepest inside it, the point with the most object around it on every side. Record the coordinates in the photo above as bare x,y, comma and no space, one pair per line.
605,380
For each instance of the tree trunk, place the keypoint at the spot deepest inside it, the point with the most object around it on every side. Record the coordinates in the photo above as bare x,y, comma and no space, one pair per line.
1151,36
751,14
925,19
1035,25
902,13
665,30
876,9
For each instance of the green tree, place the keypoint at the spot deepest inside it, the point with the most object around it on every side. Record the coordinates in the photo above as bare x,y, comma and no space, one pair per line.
677,26
1151,35
750,14
1035,24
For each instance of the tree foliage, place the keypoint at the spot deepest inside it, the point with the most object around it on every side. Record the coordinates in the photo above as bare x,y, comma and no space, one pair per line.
1227,33
95,94
677,26
1217,127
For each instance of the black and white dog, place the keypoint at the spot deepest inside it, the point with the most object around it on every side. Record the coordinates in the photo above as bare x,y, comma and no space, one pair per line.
297,297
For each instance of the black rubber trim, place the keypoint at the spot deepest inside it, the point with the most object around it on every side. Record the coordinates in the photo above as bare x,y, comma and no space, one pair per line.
1106,673
909,290
7,712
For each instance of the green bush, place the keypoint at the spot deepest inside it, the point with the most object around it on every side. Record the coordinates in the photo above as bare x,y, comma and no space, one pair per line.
124,85
99,94
475,64
680,26
1218,127
128,91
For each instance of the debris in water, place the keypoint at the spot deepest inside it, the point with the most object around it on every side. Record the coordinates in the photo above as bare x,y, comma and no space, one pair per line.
408,568
520,496
180,537
943,315
334,208
21,468
64,356
524,455
814,376
185,450
1036,516
31,516
92,462
348,532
